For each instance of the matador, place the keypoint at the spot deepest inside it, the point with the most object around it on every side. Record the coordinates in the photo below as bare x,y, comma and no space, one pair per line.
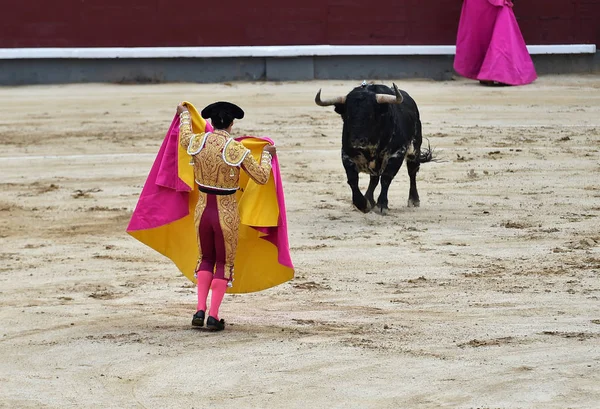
218,160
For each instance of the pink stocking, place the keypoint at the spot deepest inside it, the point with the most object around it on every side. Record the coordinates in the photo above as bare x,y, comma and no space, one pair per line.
219,286
204,278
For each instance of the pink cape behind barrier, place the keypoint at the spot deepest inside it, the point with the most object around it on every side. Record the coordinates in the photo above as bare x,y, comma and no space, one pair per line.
490,46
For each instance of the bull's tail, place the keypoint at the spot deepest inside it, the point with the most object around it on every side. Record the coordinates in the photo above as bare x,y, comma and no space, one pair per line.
426,154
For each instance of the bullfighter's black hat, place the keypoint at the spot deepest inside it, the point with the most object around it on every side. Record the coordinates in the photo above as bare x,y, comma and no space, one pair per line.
222,114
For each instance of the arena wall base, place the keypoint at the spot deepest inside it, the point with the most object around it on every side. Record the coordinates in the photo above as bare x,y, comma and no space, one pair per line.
25,71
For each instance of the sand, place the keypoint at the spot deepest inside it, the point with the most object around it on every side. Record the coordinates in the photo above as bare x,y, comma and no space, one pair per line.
487,296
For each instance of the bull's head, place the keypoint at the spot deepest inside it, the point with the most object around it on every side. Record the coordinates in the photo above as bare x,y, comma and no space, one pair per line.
365,112
380,98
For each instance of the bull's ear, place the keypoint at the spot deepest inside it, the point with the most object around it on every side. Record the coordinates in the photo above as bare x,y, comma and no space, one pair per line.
340,108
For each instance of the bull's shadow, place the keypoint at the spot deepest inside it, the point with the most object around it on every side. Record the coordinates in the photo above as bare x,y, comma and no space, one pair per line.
381,128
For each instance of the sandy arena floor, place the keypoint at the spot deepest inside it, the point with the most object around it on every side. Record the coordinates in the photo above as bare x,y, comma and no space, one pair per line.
487,296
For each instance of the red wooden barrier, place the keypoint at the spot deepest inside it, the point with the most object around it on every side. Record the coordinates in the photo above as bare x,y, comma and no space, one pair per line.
165,23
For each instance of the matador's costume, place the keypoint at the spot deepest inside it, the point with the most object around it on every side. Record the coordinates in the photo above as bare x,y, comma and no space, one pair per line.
197,217
218,159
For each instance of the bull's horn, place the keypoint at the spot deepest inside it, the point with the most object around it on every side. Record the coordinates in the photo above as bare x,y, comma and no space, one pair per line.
390,99
327,102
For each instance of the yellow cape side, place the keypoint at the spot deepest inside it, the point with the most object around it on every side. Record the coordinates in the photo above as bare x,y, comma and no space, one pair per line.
256,266
176,240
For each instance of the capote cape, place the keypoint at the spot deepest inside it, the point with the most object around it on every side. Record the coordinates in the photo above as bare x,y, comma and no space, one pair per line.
164,216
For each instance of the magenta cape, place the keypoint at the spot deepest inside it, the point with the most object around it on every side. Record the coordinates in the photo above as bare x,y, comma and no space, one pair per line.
164,216
489,44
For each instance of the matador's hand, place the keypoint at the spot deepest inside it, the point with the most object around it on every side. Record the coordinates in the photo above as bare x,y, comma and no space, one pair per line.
181,108
271,149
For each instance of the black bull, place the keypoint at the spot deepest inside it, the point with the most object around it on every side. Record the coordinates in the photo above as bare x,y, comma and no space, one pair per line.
381,128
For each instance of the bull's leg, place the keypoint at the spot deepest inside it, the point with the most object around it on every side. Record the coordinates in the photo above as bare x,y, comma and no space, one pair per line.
413,195
352,173
373,182
413,164
388,175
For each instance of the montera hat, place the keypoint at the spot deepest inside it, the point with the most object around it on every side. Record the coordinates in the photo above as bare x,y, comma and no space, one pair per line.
217,109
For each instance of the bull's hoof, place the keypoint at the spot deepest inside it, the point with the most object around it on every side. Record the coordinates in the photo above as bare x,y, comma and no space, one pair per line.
414,203
382,208
361,204
364,209
371,203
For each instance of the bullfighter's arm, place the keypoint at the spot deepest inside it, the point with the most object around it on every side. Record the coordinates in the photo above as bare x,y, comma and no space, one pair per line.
185,129
258,172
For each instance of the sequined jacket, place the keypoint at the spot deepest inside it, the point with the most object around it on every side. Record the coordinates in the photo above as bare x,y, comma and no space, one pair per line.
218,158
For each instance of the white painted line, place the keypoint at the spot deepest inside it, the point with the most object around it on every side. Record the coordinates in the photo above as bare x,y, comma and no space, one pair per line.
124,155
263,51
92,156
283,149
562,49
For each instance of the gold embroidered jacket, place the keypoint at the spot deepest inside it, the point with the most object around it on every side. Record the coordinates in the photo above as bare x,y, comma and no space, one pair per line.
217,158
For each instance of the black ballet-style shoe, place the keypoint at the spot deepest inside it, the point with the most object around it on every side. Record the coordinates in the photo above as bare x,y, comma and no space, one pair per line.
198,319
214,325
493,83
